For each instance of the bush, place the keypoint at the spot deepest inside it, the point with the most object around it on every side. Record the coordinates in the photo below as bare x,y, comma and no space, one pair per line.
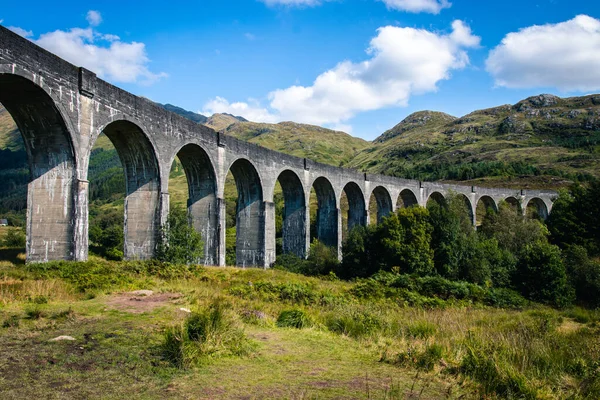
14,238
354,323
181,243
205,334
541,275
295,318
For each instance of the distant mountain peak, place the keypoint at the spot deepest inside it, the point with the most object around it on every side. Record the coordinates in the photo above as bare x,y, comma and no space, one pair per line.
416,120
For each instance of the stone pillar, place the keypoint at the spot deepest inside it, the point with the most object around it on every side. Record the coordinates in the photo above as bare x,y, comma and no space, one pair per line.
80,216
307,231
269,234
294,228
250,234
142,224
338,220
50,215
221,231
204,216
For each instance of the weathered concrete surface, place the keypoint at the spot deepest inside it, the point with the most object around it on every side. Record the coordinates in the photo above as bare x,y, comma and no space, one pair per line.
62,109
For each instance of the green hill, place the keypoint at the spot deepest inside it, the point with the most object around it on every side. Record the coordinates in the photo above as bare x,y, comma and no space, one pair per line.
542,141
313,142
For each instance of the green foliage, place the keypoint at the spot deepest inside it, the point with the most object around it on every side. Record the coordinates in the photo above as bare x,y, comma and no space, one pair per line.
208,333
575,218
106,233
321,261
295,318
354,322
181,243
14,238
541,275
584,275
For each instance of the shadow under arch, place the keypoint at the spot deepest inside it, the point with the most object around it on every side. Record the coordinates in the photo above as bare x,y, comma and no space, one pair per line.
537,208
327,213
485,204
202,203
142,187
52,214
515,204
384,202
250,214
436,197
294,214
406,199
356,206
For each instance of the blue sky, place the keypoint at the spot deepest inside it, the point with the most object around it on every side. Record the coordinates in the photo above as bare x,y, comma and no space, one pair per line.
356,65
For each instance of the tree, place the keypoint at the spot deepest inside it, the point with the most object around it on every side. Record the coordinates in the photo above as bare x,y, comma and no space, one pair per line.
181,243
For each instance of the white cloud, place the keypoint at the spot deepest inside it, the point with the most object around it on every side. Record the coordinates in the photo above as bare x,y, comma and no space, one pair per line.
342,127
94,18
292,3
104,54
251,110
21,31
417,6
402,62
564,55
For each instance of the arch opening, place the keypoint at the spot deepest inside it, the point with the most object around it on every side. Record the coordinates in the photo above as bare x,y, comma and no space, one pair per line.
407,199
51,189
436,197
199,194
536,208
356,214
325,226
514,204
142,188
466,203
293,214
485,206
250,215
383,202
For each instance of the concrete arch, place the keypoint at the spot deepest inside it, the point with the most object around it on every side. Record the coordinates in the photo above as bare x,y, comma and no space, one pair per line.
484,203
407,198
437,197
537,207
202,204
52,216
250,214
142,187
356,205
384,202
468,206
327,212
294,213
513,202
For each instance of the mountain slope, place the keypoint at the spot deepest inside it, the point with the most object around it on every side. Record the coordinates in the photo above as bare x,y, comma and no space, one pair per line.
313,142
541,141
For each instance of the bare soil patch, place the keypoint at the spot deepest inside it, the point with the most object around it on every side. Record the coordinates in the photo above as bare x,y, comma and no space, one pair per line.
134,303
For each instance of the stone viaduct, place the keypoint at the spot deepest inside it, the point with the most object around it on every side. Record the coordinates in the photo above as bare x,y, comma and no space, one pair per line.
61,110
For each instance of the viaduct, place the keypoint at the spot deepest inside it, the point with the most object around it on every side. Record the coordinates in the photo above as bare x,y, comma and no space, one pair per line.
61,109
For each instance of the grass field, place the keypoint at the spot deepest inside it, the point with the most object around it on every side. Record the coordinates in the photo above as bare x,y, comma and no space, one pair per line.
353,343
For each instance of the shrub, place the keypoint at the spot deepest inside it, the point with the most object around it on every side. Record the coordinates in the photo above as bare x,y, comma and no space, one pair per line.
205,334
295,318
541,275
181,243
14,238
354,323
421,330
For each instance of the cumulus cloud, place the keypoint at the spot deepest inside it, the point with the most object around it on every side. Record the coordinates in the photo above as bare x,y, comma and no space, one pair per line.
21,31
564,55
94,18
418,6
250,110
402,62
105,54
292,3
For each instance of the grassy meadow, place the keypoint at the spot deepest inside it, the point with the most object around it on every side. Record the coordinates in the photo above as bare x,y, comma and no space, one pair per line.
277,335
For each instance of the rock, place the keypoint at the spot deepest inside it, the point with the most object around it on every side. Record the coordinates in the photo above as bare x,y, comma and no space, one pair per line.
187,310
142,293
61,338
